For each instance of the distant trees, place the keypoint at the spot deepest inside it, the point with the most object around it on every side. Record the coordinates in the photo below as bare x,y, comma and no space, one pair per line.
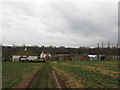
8,51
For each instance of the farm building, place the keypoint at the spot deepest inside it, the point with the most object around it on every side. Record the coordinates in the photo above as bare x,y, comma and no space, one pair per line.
96,57
45,56
16,57
93,57
103,57
42,55
24,56
112,57
78,57
65,58
32,58
74,56
83,56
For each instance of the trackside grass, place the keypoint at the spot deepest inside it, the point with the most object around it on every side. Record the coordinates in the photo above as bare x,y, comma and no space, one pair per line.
92,74
46,79
69,74
14,72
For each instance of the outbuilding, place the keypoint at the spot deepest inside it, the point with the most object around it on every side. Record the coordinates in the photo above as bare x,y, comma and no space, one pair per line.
92,57
16,57
24,56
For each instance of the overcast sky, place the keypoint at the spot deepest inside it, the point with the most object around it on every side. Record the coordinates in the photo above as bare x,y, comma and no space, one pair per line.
71,23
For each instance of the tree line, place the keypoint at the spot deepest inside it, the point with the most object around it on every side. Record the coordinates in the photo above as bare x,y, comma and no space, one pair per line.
8,51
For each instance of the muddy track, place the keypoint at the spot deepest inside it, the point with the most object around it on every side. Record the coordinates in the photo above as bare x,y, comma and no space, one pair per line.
60,83
34,79
55,77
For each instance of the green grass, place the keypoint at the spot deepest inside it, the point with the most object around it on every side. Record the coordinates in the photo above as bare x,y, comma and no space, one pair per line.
91,74
90,78
45,79
14,72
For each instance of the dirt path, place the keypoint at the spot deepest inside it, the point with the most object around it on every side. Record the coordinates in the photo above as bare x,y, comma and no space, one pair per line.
47,78
56,80
42,77
66,81
60,83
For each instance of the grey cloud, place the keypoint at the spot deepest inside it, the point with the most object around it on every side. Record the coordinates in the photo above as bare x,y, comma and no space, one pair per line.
95,22
56,23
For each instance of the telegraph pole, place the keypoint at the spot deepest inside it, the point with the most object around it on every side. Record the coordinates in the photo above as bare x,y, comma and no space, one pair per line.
98,45
102,49
102,44
108,44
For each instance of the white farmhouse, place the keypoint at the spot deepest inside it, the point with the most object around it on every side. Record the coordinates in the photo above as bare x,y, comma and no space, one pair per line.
16,57
45,56
42,55
32,58
24,56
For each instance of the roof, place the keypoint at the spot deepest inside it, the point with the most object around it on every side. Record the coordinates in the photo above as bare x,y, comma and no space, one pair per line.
73,54
28,52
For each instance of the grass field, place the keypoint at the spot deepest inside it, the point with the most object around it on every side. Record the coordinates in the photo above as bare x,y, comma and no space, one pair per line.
14,72
73,74
91,74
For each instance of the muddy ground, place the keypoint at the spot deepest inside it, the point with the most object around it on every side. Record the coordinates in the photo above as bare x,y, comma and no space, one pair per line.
43,77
